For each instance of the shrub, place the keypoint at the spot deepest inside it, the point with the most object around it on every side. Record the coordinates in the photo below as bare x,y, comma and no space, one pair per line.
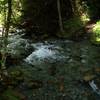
96,33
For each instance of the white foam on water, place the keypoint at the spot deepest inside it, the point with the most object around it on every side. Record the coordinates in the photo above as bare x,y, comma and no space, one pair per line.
94,87
42,52
17,45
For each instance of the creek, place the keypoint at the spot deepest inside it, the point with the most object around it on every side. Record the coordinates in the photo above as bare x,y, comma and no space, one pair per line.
56,62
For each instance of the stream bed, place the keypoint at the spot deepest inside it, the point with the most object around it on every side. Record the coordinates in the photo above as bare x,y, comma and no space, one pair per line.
57,69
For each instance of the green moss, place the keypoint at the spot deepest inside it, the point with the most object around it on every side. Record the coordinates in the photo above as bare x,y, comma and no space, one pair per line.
73,23
72,27
9,95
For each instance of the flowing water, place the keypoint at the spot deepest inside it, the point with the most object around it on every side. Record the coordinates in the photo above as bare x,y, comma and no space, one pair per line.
60,65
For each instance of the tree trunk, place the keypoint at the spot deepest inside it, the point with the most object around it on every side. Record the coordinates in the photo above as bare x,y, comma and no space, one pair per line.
5,38
75,7
60,17
72,6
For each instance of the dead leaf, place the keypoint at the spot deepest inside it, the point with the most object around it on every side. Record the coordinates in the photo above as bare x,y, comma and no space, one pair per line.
97,69
88,77
61,87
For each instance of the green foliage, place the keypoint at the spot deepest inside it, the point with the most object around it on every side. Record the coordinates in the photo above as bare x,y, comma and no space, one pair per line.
96,29
16,10
73,23
85,18
3,7
93,8
96,33
10,95
72,26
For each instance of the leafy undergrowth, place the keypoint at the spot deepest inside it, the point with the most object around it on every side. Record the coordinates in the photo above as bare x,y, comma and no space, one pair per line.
96,33
11,94
73,27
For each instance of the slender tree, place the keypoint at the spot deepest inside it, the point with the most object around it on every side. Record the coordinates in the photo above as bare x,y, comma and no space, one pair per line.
75,5
5,38
60,17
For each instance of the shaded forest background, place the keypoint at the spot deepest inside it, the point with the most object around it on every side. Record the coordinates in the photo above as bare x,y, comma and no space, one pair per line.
44,18
43,15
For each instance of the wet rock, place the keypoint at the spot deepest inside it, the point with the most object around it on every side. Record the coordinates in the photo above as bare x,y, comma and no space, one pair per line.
18,47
